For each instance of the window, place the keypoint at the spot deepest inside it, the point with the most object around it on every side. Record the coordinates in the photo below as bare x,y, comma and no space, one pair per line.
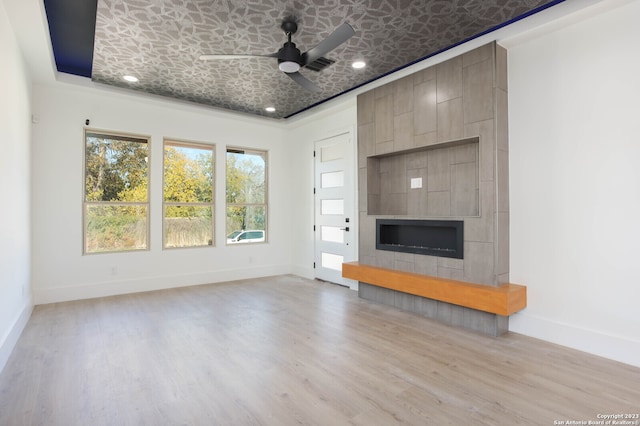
246,196
188,195
116,199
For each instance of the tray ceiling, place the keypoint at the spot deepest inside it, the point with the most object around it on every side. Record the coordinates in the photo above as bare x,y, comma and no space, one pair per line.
159,41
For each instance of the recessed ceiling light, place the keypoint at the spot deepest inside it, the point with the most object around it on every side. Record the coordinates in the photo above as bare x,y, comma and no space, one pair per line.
358,64
270,109
130,78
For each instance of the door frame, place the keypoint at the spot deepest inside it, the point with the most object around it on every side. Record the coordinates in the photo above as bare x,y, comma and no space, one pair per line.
354,214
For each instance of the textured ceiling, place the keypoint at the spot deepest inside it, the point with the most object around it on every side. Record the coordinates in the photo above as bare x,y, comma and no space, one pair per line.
159,41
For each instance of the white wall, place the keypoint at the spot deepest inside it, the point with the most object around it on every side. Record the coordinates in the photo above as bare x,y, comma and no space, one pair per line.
302,132
15,128
63,273
575,182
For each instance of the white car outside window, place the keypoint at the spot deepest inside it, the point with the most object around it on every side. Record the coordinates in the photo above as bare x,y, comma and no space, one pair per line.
248,236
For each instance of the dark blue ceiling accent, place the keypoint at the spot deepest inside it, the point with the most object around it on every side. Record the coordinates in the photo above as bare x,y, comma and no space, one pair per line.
72,27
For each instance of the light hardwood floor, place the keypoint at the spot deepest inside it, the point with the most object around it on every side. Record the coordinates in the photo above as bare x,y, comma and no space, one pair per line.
285,350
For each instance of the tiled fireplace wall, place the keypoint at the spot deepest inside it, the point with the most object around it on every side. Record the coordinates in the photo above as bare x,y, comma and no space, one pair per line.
446,126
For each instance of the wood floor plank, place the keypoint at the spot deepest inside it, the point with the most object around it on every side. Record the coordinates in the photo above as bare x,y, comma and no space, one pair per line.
283,351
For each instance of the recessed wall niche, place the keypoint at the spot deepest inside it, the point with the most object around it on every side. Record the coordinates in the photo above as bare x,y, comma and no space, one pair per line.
434,145
435,181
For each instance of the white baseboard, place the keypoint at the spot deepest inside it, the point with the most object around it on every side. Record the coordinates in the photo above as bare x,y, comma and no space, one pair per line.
304,272
617,348
112,288
11,338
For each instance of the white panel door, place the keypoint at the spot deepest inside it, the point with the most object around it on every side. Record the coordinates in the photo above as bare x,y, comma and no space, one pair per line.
334,207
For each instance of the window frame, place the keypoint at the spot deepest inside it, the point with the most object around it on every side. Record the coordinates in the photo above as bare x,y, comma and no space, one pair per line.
265,204
106,134
165,204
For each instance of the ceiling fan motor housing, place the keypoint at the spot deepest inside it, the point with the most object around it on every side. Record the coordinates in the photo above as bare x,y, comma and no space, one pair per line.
287,54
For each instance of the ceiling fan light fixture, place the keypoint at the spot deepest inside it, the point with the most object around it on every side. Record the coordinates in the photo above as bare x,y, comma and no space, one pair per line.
289,66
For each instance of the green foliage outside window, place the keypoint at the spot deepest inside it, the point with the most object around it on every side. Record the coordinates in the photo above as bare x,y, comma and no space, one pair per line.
188,195
116,193
246,181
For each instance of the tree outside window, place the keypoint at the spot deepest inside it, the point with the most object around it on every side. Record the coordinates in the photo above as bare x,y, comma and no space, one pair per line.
116,199
246,193
188,195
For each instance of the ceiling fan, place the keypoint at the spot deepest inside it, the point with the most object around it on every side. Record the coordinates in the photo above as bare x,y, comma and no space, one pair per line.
290,59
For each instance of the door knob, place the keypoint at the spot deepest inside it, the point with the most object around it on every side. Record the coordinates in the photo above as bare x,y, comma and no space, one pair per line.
345,229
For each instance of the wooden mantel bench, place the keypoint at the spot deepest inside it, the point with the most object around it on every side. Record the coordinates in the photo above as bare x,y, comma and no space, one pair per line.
503,300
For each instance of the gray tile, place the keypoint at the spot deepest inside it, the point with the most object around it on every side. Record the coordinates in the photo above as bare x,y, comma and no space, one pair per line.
385,164
466,153
362,187
479,229
404,301
486,149
394,179
450,314
417,197
481,322
403,132
438,170
438,203
426,307
478,92
367,240
501,68
384,147
425,108
384,119
503,181
383,91
502,120
426,265
449,79
504,279
447,262
403,95
366,291
478,54
417,160
425,139
450,273
365,259
479,263
400,265
366,142
366,102
424,75
385,259
386,296
503,243
502,325
393,204
464,190
373,204
405,257
450,120
373,175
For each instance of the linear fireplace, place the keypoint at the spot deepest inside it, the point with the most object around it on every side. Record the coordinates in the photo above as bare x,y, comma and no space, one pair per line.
443,238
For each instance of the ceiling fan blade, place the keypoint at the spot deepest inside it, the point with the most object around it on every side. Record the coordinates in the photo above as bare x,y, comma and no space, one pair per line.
216,57
343,33
303,81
